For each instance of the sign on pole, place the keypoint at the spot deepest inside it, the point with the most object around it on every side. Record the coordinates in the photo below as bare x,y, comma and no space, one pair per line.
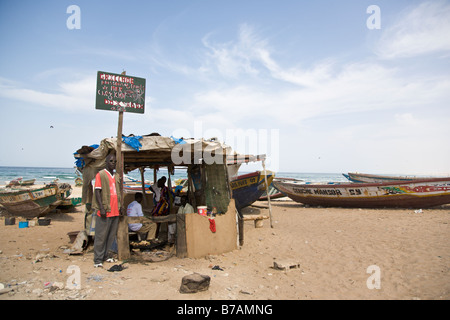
118,92
122,93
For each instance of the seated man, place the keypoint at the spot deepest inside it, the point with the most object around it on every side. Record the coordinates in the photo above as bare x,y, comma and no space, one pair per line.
185,207
138,223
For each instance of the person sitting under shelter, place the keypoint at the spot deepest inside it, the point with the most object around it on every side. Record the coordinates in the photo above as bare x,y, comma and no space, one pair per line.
184,208
136,216
161,197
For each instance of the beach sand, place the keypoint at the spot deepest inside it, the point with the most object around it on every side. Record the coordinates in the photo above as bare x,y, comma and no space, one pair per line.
330,252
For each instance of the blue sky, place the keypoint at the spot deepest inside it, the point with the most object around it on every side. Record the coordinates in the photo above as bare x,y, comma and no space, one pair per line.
306,82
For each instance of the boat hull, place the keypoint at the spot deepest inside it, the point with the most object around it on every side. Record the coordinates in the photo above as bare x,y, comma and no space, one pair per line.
248,188
372,178
273,194
414,194
33,202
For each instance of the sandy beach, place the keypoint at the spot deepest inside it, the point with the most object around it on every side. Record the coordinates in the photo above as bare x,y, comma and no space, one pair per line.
332,253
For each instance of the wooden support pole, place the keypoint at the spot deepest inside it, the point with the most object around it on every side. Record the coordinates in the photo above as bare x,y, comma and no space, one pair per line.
240,218
123,243
267,191
241,229
142,169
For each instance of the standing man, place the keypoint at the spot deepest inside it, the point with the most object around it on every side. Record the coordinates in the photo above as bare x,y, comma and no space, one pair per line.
107,204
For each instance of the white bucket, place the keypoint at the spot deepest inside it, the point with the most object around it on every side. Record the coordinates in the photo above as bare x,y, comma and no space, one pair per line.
202,210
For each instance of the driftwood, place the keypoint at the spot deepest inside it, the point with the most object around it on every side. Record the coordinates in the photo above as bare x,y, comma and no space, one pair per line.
5,290
257,218
159,219
259,207
254,217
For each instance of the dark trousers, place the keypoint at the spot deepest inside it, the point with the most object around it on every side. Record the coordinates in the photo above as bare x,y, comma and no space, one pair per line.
105,233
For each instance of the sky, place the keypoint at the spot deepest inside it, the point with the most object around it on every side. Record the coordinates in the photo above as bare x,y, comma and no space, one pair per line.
317,86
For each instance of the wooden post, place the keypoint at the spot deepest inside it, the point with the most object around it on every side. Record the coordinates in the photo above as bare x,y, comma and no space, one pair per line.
241,229
240,224
143,186
267,191
123,243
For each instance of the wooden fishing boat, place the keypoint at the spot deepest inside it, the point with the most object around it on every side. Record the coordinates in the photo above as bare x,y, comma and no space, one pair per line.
420,193
34,202
375,178
78,182
20,182
14,182
249,187
274,193
28,182
136,186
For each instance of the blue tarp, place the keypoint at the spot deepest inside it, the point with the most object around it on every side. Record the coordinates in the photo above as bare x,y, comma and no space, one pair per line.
178,141
133,142
79,162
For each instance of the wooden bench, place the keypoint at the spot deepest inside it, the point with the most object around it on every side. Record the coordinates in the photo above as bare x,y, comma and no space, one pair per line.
259,223
137,235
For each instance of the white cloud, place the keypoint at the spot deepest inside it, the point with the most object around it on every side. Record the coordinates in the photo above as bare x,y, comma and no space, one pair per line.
232,59
356,88
406,119
287,95
78,94
251,55
424,29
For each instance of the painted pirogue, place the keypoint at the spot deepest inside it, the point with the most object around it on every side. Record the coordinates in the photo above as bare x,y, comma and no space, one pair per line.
34,202
420,193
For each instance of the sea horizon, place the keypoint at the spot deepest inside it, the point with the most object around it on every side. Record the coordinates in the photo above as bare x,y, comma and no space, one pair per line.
45,175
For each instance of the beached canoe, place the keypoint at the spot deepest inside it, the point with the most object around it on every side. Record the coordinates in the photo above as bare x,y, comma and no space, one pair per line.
249,187
20,182
274,192
375,178
34,202
423,193
134,186
28,182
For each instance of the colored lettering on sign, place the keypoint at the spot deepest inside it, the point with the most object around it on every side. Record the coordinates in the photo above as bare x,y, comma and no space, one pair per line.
120,93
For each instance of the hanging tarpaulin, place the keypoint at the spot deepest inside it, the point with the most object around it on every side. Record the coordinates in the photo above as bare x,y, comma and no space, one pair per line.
133,141
118,92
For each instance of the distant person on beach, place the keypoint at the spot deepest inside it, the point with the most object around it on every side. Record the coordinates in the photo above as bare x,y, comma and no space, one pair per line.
107,204
140,223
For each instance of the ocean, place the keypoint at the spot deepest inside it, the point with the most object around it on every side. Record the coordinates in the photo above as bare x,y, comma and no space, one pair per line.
68,175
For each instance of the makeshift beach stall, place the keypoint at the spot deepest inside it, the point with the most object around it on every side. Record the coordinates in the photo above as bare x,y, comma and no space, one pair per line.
205,164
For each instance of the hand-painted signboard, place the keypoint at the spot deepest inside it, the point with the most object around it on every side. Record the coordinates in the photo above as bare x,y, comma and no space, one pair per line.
118,92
